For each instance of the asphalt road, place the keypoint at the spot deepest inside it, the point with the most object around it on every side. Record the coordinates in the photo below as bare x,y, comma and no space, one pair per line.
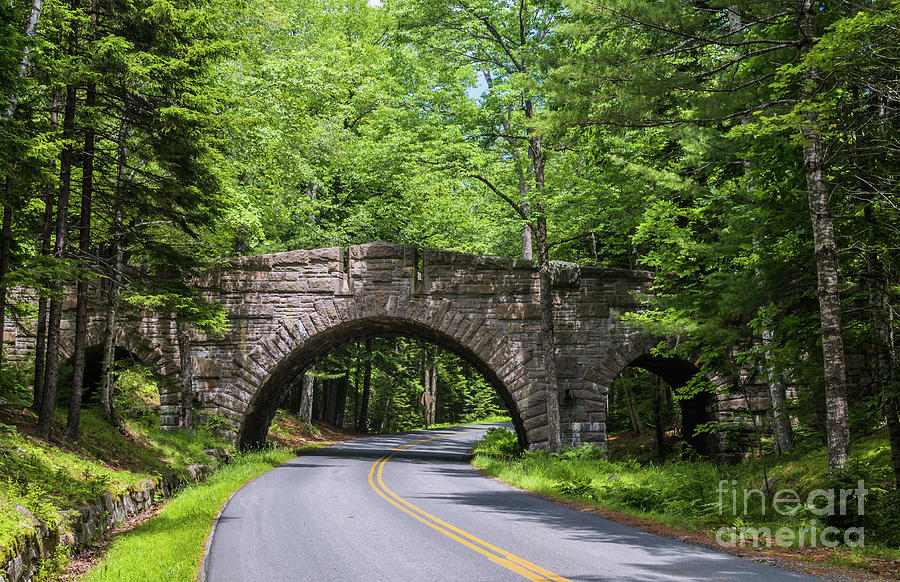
366,511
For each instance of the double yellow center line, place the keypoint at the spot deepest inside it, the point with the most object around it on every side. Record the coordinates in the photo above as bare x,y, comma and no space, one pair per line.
493,553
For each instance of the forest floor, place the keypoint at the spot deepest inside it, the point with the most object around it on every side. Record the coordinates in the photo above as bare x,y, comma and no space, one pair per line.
288,432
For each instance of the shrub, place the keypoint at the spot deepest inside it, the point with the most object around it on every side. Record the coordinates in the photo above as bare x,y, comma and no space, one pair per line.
498,442
882,519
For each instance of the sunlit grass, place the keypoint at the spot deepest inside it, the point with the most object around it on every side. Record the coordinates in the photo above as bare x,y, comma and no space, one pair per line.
170,546
686,494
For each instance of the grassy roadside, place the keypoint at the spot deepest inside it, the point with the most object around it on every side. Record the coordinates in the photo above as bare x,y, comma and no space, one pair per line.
696,497
40,479
170,546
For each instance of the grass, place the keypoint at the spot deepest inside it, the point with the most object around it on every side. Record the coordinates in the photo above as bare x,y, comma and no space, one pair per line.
45,479
170,546
685,494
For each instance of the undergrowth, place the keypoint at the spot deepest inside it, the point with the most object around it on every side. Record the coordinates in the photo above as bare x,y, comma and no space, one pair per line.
702,496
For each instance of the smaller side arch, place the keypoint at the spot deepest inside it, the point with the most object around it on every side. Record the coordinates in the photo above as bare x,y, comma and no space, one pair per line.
148,351
635,351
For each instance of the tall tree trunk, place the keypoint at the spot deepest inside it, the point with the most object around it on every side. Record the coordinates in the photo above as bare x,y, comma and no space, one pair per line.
108,365
341,398
548,338
659,421
892,413
784,433
5,240
386,418
636,425
527,244
319,392
430,385
362,424
306,397
113,289
356,373
115,282
41,339
51,373
84,247
837,426
34,16
329,397
183,331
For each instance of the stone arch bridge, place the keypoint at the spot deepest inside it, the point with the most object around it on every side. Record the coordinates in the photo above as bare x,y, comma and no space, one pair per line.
286,310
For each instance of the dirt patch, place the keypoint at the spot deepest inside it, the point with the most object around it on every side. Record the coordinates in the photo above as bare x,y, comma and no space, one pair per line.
288,432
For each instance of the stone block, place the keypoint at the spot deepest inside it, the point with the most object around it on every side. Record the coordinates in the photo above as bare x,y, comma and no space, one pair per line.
519,311
206,368
591,309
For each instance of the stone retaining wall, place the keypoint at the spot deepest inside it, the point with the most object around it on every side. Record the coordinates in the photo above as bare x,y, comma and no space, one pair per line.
84,525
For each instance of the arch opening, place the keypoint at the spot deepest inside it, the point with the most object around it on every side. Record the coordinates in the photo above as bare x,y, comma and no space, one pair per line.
93,373
337,387
645,404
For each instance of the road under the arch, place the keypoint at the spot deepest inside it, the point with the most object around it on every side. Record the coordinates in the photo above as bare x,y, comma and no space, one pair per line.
406,507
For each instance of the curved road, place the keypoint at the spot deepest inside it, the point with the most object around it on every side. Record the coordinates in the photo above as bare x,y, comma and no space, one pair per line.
406,508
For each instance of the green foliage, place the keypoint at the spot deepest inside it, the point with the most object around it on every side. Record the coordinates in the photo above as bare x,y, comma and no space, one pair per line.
498,442
136,389
186,303
698,494
14,383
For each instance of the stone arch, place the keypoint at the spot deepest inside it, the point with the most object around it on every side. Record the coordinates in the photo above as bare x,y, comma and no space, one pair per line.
294,344
635,351
149,352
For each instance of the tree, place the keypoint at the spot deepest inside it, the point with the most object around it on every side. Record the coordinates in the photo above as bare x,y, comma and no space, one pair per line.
507,43
51,374
678,66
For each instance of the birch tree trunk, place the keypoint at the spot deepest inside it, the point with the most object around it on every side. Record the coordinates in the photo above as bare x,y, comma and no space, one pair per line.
837,426
37,6
784,433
